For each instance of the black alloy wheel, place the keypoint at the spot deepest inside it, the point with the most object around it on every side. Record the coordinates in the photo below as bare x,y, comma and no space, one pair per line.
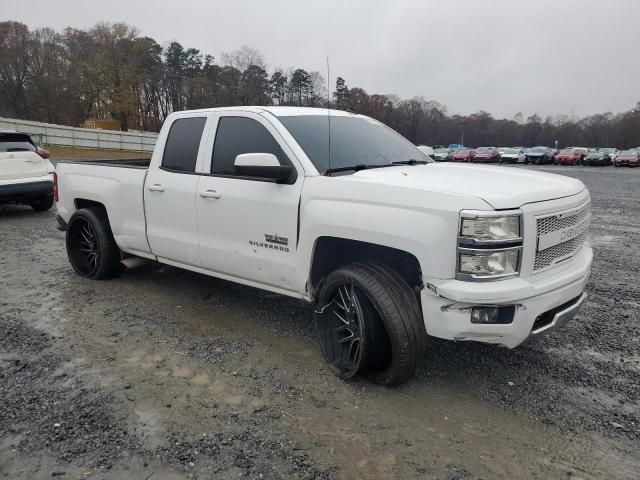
342,331
369,322
92,250
84,250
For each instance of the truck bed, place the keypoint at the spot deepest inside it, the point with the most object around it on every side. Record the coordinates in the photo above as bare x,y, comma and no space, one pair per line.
118,184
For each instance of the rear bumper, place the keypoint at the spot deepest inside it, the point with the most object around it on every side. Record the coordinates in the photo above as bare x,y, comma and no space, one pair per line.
25,191
540,306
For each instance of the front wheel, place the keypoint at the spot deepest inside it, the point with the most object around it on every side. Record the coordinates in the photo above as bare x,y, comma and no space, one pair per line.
92,251
369,322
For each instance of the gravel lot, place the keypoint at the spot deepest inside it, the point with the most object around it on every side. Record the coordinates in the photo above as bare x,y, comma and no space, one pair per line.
164,374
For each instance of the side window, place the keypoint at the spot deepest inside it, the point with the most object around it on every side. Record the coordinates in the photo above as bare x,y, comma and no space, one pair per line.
237,135
183,142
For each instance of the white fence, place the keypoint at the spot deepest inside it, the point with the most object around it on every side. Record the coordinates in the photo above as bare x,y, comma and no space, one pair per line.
50,134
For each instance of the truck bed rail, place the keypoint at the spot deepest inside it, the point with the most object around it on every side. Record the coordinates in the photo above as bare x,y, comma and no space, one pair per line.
142,163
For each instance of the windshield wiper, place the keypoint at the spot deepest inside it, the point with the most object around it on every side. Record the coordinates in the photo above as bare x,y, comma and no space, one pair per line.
362,166
357,168
411,161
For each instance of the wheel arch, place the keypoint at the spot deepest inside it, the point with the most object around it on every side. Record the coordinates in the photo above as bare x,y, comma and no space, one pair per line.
88,203
330,253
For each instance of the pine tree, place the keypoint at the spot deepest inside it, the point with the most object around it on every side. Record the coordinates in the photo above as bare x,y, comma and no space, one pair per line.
341,95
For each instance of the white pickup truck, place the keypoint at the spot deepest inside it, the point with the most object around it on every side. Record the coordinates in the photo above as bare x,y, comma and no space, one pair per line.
389,246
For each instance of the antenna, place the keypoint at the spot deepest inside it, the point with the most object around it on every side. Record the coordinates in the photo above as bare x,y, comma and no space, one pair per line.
329,109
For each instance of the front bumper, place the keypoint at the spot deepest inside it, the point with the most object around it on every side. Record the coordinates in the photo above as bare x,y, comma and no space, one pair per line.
447,306
25,191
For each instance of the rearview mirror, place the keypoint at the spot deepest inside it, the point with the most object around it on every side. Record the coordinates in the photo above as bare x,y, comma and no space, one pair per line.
261,165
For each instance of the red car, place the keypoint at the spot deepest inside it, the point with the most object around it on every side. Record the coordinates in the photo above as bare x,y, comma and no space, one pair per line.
486,155
628,158
568,156
463,155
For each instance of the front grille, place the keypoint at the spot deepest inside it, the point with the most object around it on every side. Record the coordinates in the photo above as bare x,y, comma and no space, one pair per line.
561,251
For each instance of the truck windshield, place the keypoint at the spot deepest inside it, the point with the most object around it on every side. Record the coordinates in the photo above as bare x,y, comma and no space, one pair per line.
355,142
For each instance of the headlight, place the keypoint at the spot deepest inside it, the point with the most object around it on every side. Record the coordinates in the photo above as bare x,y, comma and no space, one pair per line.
485,264
489,245
491,228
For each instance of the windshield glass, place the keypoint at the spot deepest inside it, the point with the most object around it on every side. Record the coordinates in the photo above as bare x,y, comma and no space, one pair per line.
566,151
539,149
629,153
354,141
484,150
509,150
596,154
442,150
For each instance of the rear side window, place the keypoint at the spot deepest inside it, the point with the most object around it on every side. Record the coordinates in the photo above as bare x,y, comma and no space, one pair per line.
183,142
16,142
238,135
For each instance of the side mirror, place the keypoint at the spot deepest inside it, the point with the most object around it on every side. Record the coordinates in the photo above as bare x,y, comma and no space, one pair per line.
261,165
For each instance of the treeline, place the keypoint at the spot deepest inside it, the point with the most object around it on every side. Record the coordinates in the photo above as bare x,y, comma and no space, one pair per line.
110,71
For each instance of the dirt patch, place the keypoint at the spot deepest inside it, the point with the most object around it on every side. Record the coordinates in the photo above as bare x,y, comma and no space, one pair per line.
163,373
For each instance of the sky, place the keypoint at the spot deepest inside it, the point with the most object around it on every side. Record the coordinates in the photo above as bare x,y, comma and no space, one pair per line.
574,57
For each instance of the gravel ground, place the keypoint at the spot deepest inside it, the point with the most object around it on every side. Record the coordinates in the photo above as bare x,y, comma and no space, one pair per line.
164,374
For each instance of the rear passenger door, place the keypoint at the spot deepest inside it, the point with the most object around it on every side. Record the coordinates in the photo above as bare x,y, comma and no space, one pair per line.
170,190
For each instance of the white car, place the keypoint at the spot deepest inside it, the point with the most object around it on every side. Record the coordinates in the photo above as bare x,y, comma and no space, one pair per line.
26,174
513,155
389,246
428,151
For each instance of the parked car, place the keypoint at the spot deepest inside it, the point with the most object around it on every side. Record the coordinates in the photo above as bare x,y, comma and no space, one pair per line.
513,155
428,151
486,155
463,155
597,158
568,156
442,155
539,155
583,150
628,158
612,152
388,248
26,174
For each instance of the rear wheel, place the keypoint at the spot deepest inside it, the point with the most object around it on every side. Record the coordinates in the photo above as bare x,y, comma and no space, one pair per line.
42,204
369,322
92,251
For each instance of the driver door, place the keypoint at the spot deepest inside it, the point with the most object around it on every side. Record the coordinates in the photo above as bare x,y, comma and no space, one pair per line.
247,227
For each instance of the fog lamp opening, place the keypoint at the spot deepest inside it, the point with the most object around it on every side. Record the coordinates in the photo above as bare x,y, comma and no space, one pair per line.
493,315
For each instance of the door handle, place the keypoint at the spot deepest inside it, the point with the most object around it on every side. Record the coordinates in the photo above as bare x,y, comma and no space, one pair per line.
156,187
210,194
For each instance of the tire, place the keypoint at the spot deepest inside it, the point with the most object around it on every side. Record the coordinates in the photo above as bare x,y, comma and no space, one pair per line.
392,337
42,204
91,249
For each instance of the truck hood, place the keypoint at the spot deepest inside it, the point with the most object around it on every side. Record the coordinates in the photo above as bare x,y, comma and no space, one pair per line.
501,187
